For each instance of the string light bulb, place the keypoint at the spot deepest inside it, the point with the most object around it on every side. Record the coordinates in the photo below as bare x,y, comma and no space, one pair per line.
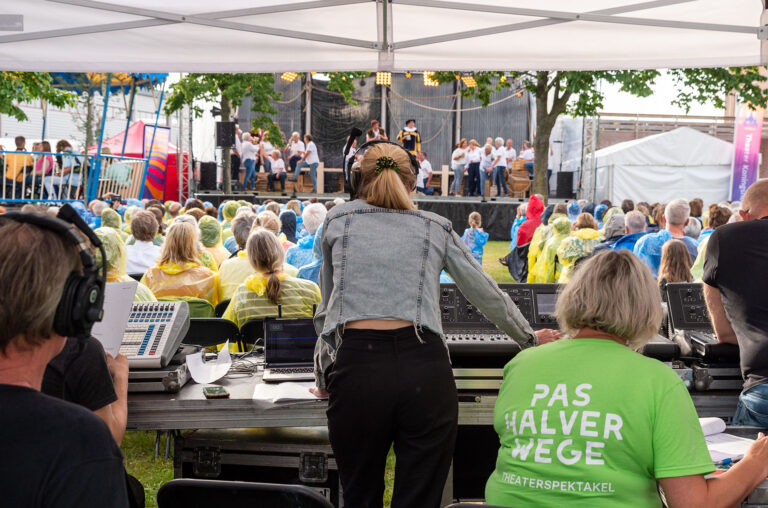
383,78
469,81
503,79
428,81
289,76
519,94
408,75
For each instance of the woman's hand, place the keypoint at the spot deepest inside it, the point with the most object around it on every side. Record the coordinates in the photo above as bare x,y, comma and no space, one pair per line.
320,393
547,335
759,450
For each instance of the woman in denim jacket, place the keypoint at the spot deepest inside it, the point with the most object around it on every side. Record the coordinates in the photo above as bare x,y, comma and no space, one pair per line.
381,354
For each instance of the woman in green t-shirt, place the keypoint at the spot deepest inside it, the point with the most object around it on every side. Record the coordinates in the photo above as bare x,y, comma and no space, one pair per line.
587,421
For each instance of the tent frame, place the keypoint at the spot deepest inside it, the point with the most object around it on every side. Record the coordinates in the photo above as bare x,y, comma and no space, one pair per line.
385,45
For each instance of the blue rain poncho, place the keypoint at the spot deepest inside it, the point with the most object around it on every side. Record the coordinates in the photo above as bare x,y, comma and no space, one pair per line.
311,271
301,254
573,210
648,248
513,232
475,240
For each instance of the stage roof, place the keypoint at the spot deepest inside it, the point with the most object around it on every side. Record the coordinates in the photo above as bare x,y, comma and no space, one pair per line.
402,35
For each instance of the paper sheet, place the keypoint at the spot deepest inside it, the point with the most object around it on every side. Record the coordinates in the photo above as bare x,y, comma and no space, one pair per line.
726,446
118,302
208,372
284,392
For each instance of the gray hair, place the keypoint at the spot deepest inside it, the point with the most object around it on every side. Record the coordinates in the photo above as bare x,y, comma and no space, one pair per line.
582,203
246,136
499,141
677,212
693,228
523,209
241,227
634,221
313,216
339,201
294,133
185,218
629,308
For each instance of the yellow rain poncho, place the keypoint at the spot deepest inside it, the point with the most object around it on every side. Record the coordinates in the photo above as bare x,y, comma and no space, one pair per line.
548,266
234,271
697,270
539,240
210,236
127,217
117,257
228,212
111,219
580,244
189,280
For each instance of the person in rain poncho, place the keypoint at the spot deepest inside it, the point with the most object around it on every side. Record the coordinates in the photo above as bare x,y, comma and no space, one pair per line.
573,211
301,254
540,237
519,219
599,212
127,217
648,248
612,232
117,256
268,220
614,210
228,212
261,292
210,237
548,266
474,237
205,257
111,219
717,216
580,244
180,272
634,227
312,270
288,225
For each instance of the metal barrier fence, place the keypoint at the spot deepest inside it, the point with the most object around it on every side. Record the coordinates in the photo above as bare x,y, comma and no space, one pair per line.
62,177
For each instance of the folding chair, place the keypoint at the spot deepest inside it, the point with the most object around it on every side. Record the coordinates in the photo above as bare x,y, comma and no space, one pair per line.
252,332
198,308
193,493
221,307
207,332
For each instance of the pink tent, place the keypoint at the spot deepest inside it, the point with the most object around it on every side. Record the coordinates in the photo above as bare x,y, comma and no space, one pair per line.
134,147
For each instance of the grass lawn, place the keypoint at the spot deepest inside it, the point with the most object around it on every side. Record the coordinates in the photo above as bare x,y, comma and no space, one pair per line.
139,446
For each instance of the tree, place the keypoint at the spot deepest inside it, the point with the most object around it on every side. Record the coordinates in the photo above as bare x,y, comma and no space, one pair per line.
578,93
21,87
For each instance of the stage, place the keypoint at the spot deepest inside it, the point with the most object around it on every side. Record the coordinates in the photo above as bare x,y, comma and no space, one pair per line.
498,213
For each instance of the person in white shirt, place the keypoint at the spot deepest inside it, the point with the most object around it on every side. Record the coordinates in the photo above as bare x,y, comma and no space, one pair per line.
527,155
375,133
296,149
249,152
486,167
458,162
511,153
310,160
474,156
266,153
499,166
234,156
277,172
143,254
425,175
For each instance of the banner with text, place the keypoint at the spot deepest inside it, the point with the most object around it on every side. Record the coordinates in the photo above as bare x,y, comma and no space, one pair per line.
154,186
746,149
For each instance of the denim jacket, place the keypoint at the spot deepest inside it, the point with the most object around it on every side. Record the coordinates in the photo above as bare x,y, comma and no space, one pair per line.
385,264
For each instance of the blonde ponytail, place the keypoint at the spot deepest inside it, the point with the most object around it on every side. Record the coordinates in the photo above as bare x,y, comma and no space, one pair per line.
387,187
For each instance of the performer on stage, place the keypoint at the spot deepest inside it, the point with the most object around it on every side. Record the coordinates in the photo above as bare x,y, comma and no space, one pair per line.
410,138
381,354
375,133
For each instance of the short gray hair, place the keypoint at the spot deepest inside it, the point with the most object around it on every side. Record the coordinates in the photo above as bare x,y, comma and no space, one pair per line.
693,228
241,227
635,222
246,136
677,212
294,133
312,216
499,141
629,308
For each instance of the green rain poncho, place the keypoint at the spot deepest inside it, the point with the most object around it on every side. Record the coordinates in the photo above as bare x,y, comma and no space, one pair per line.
111,219
210,236
117,257
580,244
548,266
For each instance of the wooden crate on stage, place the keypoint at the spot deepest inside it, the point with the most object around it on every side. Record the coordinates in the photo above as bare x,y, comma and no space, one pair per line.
518,181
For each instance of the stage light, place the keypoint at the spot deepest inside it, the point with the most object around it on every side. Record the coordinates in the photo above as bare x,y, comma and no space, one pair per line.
384,78
289,76
428,81
408,75
519,94
469,81
503,79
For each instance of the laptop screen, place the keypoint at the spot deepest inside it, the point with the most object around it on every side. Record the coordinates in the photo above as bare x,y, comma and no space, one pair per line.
289,341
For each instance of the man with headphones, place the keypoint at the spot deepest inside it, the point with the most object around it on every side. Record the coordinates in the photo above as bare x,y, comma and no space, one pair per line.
54,453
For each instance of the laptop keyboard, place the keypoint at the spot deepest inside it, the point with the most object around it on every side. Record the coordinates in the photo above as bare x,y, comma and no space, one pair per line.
293,370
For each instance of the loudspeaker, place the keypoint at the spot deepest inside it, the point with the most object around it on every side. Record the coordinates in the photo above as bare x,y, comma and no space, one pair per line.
207,176
225,134
565,186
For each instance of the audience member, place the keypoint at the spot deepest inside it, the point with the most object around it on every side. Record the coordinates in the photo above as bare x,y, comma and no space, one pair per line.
270,222
735,278
197,213
173,209
179,273
17,165
648,248
543,233
210,237
634,227
237,268
143,253
55,453
269,286
288,224
613,231
697,207
573,211
548,266
274,207
116,253
627,206
474,237
329,205
312,217
595,373
580,244
675,264
312,270
718,216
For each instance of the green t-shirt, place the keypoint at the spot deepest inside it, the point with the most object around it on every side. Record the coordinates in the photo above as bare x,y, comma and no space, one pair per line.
589,422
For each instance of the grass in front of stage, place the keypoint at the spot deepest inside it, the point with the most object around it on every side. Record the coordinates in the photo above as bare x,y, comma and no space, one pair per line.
139,446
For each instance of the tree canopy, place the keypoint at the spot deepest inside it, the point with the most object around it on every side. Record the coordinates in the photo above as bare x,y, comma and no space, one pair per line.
20,87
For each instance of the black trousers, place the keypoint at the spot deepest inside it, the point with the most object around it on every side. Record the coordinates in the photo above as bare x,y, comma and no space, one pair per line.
472,184
387,387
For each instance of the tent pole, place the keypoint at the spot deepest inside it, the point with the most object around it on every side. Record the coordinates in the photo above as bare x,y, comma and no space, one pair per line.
129,115
44,106
93,185
152,142
308,111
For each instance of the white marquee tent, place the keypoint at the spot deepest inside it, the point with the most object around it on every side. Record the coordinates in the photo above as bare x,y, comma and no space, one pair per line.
683,163
328,35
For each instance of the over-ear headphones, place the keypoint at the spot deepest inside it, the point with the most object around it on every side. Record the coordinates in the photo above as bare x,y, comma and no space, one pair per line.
355,173
82,301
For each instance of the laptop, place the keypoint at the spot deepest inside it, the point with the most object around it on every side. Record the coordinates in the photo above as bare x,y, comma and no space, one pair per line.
289,349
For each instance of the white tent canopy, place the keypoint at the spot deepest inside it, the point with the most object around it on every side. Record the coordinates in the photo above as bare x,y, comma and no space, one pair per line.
683,163
328,35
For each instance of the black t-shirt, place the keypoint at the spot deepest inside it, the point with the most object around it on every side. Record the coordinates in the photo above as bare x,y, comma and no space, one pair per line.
737,265
80,376
56,454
